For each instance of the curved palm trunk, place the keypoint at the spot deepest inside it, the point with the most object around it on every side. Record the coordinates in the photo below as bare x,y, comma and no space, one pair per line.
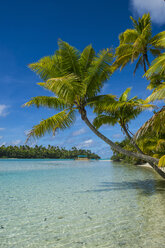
151,160
131,140
140,151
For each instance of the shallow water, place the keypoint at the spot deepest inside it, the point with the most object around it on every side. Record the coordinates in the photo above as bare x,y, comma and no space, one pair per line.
45,203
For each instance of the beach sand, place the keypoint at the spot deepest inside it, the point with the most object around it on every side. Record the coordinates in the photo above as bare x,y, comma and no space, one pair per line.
147,165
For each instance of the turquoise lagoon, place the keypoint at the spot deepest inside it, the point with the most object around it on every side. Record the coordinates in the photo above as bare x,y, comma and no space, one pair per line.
50,203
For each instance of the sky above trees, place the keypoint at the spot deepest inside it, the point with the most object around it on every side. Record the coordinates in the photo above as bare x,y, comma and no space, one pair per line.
30,30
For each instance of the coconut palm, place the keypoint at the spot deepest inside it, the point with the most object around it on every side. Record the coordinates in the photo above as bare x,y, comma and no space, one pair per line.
136,43
155,124
75,79
157,67
122,111
156,75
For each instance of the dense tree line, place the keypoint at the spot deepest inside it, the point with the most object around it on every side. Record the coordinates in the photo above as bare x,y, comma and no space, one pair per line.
151,143
43,152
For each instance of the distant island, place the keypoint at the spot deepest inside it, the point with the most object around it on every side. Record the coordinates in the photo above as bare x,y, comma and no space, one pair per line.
52,152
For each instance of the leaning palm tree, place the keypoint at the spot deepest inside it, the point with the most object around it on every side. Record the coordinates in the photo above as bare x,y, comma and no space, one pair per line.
136,43
157,67
75,79
156,74
122,111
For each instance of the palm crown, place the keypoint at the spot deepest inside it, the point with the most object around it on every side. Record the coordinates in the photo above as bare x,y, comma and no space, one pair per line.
74,78
121,111
137,42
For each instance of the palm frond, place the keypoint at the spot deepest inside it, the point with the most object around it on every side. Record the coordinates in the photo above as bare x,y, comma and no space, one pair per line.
159,40
122,61
69,58
62,120
129,36
156,124
155,52
67,88
86,58
161,162
123,49
100,101
104,119
155,81
48,67
47,101
124,96
98,72
140,62
157,66
158,94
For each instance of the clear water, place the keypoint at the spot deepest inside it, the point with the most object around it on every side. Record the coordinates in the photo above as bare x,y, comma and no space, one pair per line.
46,203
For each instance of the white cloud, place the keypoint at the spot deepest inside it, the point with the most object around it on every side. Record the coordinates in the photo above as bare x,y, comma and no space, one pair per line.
3,144
3,110
26,132
2,128
86,144
117,135
16,142
1,137
156,8
78,132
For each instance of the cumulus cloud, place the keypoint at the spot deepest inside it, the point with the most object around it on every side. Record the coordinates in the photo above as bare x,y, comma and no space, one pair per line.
16,142
86,144
3,144
3,110
117,135
78,132
156,8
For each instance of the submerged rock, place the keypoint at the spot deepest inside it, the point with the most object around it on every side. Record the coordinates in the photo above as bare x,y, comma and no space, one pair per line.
60,217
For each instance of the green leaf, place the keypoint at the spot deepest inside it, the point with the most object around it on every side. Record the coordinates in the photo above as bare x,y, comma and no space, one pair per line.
98,72
158,94
124,96
69,58
62,120
104,119
86,59
47,101
67,88
161,162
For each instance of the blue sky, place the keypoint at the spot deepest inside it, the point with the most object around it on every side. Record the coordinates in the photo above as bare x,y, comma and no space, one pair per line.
30,30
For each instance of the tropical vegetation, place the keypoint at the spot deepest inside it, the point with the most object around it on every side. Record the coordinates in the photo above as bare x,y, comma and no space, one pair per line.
75,80
137,43
53,152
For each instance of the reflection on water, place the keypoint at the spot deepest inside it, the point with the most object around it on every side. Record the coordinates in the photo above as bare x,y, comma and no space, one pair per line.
71,204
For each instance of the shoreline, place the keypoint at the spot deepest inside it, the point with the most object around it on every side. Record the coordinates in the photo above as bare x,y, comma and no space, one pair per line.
147,165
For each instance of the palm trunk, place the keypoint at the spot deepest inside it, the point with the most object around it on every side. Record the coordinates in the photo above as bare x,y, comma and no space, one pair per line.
140,151
151,160
144,64
131,140
146,59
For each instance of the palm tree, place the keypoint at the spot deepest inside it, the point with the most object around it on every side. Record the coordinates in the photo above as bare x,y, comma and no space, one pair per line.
157,67
155,124
75,79
137,42
122,111
156,74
